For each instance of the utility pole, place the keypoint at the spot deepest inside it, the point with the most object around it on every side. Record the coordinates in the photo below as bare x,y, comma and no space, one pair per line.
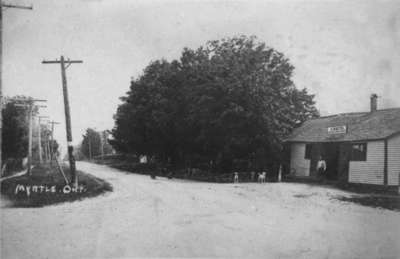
102,144
40,139
46,152
64,65
52,140
31,105
1,68
90,148
48,148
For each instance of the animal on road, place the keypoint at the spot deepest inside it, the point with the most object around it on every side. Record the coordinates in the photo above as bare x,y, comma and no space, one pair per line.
261,177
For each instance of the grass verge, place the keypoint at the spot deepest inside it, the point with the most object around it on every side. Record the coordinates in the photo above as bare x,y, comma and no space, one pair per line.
131,164
375,201
46,186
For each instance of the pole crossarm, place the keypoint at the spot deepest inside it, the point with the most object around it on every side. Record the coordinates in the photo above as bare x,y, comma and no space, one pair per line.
29,100
30,103
67,62
17,6
22,105
59,62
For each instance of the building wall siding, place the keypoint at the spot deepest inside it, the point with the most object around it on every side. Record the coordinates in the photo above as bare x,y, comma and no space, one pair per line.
371,170
394,160
297,161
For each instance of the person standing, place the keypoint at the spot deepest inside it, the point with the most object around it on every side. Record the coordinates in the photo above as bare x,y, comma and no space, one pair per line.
321,168
236,177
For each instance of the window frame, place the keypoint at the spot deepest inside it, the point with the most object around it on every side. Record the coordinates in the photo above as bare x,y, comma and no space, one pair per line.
361,155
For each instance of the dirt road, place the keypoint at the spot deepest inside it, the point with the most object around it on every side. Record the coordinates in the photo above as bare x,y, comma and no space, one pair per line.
175,218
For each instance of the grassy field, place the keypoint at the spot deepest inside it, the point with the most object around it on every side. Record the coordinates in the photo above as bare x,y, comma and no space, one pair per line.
46,186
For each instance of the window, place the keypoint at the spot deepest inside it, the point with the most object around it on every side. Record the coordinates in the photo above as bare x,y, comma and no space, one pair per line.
359,152
307,154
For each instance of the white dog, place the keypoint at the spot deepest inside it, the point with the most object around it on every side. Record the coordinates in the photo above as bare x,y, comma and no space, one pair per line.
236,177
261,177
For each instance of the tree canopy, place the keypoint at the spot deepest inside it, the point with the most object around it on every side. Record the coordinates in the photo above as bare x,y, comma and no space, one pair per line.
94,144
231,99
15,132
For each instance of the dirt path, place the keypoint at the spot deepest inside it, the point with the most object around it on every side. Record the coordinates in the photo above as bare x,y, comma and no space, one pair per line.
174,218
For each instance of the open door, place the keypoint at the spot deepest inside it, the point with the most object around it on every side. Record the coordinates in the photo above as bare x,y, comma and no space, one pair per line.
344,162
331,156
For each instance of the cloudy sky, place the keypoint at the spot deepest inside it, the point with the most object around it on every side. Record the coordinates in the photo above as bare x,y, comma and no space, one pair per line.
342,50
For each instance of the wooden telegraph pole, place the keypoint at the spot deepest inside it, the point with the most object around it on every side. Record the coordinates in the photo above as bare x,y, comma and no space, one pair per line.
64,65
102,137
90,148
40,138
1,68
52,140
47,145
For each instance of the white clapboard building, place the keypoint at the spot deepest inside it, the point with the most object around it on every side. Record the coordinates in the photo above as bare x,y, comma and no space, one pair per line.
361,147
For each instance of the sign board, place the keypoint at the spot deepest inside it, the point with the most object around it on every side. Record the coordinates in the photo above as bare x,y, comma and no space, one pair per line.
337,130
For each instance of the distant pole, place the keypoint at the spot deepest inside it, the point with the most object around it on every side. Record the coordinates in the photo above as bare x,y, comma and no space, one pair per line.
51,145
30,111
40,139
74,178
31,106
1,69
48,149
40,143
90,148
46,154
102,144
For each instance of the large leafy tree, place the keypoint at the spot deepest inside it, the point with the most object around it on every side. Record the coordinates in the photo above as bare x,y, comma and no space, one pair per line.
15,129
15,132
231,99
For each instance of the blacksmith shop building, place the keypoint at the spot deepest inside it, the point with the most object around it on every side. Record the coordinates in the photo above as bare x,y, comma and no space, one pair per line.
361,147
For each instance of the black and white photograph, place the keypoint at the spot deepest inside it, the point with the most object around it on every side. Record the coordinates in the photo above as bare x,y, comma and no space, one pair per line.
200,129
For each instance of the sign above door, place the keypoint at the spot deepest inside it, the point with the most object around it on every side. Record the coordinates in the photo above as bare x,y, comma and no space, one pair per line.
337,130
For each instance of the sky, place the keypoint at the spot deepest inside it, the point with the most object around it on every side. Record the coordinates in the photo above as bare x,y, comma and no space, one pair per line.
342,51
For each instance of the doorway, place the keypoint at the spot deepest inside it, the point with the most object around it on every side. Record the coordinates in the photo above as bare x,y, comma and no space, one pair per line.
330,153
331,156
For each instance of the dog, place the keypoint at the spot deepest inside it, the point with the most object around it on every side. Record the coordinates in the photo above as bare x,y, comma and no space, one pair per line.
261,177
236,177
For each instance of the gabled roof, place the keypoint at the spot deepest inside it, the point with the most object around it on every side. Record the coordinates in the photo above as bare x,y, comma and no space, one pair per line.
375,125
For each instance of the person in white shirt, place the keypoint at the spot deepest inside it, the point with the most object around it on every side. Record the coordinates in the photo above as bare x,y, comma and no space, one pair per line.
321,168
236,177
